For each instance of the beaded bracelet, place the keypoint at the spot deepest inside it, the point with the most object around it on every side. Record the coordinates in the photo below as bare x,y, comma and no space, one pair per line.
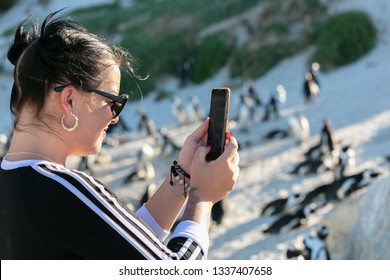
175,168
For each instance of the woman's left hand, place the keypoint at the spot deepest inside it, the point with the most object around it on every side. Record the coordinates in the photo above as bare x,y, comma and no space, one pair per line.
191,144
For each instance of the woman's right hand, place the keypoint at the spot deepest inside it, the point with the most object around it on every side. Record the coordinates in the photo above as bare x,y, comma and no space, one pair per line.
211,181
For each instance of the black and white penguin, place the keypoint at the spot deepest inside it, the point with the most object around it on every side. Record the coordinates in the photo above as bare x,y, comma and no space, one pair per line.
144,169
346,161
277,133
339,189
280,205
315,71
86,164
299,127
277,98
315,165
356,182
4,145
253,93
120,125
310,87
218,212
292,220
244,113
146,124
185,71
149,191
194,110
328,142
314,246
178,111
166,143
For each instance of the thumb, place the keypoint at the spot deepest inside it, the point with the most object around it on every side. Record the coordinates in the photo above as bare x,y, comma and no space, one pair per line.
201,152
231,149
201,130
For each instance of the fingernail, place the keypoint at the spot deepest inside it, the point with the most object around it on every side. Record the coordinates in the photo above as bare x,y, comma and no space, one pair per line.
229,134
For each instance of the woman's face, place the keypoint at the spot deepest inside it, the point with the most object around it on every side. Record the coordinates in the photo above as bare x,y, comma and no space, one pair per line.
95,115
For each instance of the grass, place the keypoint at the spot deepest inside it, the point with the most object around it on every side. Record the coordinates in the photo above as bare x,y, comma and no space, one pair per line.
163,34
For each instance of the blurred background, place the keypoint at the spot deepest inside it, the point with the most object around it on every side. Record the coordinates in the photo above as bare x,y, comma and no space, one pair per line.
309,107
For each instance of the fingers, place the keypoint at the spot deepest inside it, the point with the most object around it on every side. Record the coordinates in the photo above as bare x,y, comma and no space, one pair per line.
201,131
231,149
201,152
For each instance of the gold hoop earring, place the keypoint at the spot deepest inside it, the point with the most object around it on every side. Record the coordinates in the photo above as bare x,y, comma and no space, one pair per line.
76,122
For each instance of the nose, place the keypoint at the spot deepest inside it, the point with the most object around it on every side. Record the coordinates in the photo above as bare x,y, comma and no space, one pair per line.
115,120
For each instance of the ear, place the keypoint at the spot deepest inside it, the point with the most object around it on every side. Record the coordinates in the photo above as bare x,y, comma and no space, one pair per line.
67,99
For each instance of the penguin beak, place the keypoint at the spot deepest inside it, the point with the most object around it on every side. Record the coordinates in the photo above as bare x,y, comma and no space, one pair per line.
375,174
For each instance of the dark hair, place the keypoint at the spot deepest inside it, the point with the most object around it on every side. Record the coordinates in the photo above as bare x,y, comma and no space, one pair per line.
62,52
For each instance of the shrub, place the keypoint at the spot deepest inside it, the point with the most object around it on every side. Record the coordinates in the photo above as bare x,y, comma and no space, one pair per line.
344,38
257,62
6,4
210,55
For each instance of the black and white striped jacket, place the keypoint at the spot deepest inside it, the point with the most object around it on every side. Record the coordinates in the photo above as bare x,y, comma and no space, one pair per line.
50,212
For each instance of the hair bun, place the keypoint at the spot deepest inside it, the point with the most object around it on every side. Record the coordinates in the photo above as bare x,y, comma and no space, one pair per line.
21,41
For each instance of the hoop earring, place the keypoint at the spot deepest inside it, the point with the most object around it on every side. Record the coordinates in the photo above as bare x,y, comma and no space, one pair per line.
76,122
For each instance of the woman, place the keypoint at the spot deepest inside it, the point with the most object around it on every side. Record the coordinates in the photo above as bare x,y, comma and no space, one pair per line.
64,98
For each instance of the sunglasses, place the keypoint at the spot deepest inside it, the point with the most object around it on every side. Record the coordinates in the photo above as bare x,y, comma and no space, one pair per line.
118,101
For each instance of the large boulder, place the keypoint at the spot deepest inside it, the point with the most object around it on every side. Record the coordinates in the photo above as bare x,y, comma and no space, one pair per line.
370,235
359,226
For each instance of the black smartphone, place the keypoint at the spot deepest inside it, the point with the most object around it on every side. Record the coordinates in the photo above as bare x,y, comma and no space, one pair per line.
219,116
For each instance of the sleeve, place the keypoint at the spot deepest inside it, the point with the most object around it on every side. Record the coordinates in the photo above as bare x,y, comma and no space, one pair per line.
148,219
193,239
186,231
81,218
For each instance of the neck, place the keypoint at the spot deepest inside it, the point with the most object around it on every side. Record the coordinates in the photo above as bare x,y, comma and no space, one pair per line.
28,154
39,145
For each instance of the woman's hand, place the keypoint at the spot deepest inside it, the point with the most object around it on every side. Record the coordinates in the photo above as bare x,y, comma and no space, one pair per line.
191,144
213,180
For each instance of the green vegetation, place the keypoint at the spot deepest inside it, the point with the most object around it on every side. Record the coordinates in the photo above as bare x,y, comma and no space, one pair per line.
256,63
210,56
162,34
343,39
6,4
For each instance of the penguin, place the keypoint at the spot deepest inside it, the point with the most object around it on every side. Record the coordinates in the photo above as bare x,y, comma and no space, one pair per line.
277,133
178,111
310,87
314,246
121,124
327,138
145,124
167,144
339,189
243,114
313,152
280,205
86,163
291,220
185,71
150,190
4,145
218,212
299,127
346,160
315,72
253,93
144,169
315,166
194,110
356,182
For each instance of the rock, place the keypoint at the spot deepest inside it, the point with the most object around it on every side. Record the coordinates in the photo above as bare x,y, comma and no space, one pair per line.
359,226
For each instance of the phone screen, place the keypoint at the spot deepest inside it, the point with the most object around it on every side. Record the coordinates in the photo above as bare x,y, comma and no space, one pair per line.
219,111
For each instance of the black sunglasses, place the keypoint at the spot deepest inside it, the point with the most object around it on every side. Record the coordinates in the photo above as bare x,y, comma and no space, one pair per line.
119,101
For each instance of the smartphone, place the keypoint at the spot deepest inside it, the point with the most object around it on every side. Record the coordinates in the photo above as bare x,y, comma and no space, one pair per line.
219,116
